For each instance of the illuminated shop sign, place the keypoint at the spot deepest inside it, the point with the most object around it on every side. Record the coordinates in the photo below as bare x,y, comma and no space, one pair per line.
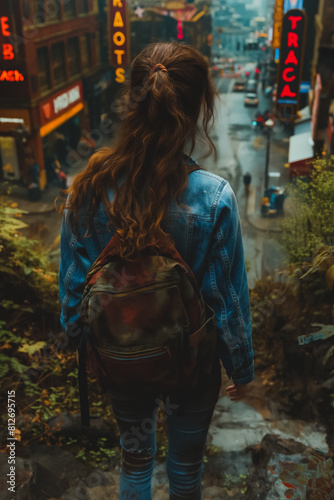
179,29
12,120
60,103
293,4
8,72
292,53
277,28
118,38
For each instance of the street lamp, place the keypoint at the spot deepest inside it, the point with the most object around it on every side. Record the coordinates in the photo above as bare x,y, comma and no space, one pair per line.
268,127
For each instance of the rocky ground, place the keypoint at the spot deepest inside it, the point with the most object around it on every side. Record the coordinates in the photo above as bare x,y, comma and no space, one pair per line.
255,452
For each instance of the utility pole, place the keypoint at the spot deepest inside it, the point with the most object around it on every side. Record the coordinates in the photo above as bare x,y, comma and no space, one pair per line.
268,128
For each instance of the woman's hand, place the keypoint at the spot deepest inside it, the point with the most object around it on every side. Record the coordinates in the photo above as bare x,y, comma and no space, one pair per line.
236,391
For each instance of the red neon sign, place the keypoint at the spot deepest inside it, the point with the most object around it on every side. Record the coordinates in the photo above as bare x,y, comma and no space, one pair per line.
286,77
11,76
293,40
294,24
179,35
8,53
4,26
7,48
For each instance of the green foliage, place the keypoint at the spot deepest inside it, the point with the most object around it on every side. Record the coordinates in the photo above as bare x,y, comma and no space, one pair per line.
32,361
102,451
311,224
27,276
9,222
31,348
235,481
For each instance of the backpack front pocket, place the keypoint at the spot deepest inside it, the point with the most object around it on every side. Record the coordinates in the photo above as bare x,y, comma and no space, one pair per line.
130,371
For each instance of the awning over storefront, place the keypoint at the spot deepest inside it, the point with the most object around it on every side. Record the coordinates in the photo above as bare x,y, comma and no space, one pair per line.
301,154
60,107
57,122
303,122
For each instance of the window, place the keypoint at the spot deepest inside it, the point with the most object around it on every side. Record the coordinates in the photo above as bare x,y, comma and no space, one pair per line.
73,56
43,68
53,10
96,49
38,12
58,60
82,6
86,53
26,9
69,8
45,11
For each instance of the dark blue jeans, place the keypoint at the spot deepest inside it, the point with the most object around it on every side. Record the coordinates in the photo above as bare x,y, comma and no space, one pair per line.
188,416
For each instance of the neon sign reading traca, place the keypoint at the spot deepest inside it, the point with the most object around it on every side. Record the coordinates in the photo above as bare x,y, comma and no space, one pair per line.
291,57
288,74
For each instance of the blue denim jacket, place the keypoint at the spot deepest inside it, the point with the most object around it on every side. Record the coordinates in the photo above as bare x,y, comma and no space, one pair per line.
208,237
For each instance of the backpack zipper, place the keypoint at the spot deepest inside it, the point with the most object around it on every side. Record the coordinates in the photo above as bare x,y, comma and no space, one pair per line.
147,353
132,291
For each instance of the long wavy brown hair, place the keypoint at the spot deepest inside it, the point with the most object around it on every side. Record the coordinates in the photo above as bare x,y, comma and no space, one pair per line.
162,113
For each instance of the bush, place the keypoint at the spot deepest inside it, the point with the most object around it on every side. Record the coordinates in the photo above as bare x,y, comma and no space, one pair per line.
34,358
311,225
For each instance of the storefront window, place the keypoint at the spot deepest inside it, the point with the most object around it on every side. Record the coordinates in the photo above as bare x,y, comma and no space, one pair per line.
73,55
69,8
58,60
82,6
43,68
86,53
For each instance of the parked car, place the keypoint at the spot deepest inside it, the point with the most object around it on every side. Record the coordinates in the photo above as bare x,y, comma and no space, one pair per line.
251,99
239,85
251,86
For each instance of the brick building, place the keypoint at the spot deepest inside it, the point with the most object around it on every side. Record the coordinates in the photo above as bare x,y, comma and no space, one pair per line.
55,80
322,95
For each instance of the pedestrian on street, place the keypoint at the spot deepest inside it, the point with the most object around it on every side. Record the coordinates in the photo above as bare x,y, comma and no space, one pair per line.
259,120
147,187
247,180
34,191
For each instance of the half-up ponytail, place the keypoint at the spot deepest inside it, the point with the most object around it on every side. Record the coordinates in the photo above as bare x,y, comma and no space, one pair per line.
169,87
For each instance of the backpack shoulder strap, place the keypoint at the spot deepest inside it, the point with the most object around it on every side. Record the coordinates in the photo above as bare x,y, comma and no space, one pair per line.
192,166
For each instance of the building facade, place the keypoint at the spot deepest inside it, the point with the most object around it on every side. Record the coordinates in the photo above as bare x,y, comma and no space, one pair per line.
54,79
322,95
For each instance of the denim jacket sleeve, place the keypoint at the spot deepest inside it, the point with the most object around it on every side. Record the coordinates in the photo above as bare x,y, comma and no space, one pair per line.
73,268
225,288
